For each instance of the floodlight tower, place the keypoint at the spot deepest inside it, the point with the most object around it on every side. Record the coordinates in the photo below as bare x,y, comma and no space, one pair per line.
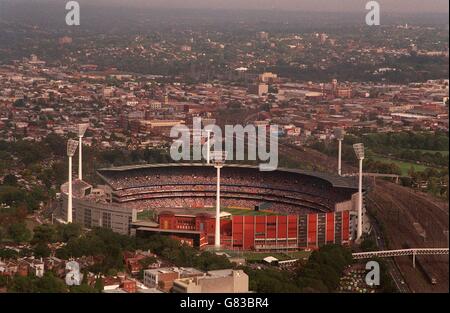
218,160
71,148
339,134
81,131
208,146
359,151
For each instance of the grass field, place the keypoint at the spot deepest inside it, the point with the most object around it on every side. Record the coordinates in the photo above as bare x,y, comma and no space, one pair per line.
282,256
259,256
145,215
300,254
404,166
445,153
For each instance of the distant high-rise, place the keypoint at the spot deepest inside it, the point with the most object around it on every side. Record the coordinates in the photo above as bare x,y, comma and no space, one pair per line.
268,77
263,36
334,83
66,40
258,89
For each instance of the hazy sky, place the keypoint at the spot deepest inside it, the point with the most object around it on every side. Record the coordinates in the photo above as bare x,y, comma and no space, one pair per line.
304,5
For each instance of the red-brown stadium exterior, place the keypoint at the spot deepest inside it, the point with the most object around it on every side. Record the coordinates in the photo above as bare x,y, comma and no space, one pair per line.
306,209
279,232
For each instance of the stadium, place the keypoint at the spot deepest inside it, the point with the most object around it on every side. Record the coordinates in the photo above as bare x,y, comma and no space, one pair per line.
280,210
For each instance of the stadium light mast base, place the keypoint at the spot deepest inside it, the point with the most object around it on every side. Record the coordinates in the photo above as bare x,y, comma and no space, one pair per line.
81,131
359,151
219,161
339,134
208,147
71,148
340,158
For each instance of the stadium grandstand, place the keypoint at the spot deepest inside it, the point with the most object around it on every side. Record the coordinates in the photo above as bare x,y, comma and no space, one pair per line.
283,209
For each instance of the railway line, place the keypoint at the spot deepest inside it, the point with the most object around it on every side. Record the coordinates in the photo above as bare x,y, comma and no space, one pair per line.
401,214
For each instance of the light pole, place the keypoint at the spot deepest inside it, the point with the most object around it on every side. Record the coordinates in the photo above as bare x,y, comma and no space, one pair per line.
218,160
71,148
208,146
81,131
446,234
339,134
359,151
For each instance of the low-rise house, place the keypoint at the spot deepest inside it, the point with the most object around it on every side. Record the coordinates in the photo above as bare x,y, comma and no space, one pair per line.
163,278
222,281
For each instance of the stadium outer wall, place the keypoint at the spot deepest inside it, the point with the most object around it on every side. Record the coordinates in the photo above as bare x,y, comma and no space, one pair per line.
263,233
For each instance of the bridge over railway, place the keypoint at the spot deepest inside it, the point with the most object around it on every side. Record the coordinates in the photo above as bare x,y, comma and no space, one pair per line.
377,175
401,252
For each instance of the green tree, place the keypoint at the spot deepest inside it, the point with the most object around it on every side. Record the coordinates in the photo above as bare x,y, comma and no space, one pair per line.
145,263
83,288
50,284
8,254
368,244
44,233
41,250
22,284
69,231
19,232
10,180
3,281
99,286
325,265
19,103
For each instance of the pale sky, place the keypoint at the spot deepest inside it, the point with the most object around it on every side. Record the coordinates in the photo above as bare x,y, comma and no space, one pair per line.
302,5
412,6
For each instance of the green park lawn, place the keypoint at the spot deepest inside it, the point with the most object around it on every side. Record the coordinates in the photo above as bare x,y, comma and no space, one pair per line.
403,165
281,256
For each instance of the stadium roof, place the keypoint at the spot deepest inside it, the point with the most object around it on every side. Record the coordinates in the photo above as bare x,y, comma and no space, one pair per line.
78,186
335,180
141,223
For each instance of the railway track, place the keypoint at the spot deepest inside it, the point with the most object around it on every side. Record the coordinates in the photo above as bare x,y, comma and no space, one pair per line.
403,213
394,270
